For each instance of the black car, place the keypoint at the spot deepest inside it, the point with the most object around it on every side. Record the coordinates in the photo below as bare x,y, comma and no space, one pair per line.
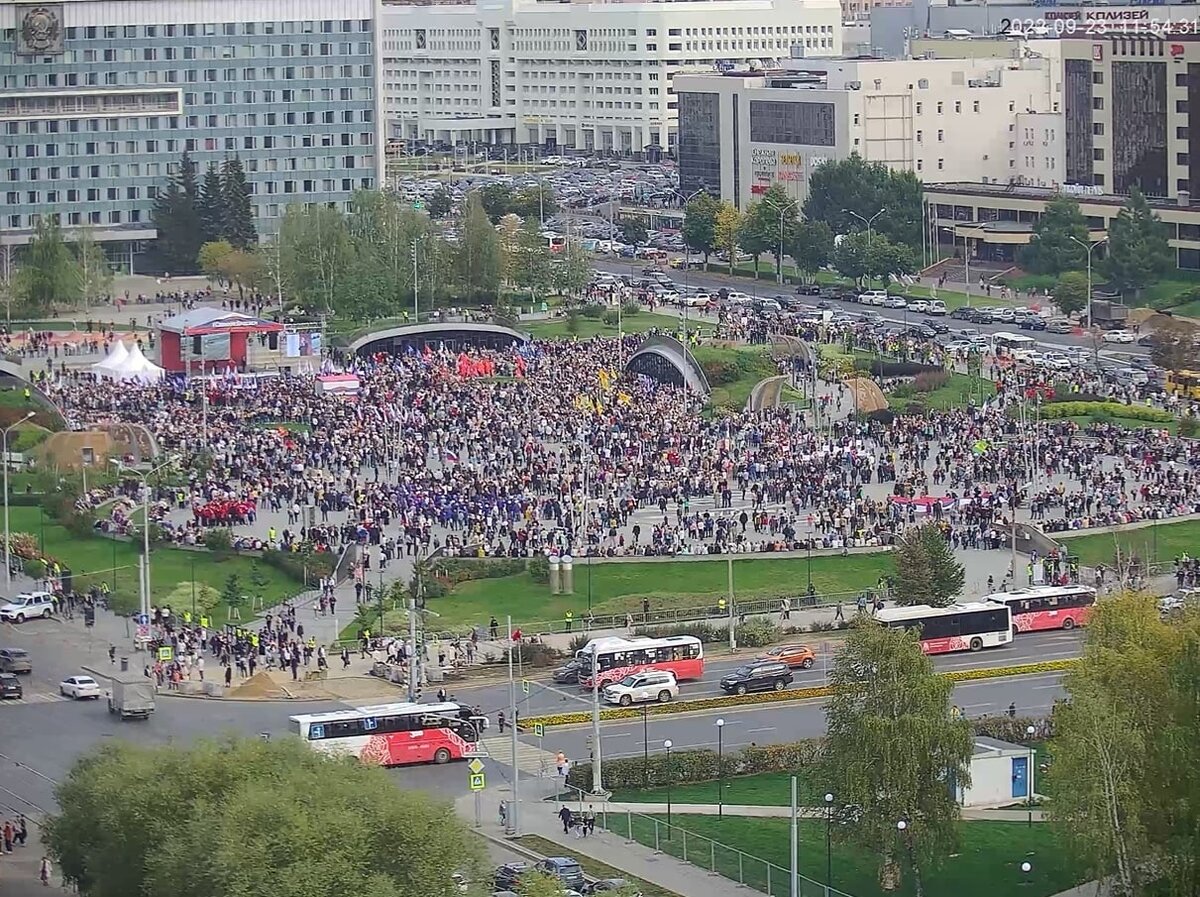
921,331
568,673
962,313
808,289
1032,322
508,876
979,316
768,675
10,686
936,326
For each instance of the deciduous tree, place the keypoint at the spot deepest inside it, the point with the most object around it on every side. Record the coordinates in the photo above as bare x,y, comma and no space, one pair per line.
1137,252
47,272
839,187
251,818
1059,238
633,231
811,247
532,266
315,251
728,226
95,272
892,748
1174,345
439,204
211,255
1071,292
536,202
850,257
700,224
770,225
496,200
477,256
886,259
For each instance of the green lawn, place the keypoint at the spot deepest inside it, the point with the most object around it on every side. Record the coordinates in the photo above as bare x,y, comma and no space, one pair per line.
733,373
960,391
558,328
768,789
619,588
1161,543
93,559
985,863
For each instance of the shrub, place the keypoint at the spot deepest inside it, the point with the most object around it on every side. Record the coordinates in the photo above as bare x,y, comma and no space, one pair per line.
1116,409
756,633
539,568
931,380
593,310
629,309
218,540
612,317
35,568
1062,393
719,372
536,654
881,368
577,642
1189,426
297,564
456,570
903,391
706,632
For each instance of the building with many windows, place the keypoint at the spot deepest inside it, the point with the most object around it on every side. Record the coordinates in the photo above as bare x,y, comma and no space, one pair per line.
99,99
594,76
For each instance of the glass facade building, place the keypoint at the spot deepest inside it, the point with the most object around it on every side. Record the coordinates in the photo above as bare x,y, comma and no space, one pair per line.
99,100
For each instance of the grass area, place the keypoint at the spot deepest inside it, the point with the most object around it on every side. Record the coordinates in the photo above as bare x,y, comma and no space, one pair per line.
1161,543
768,789
1187,310
559,328
733,373
985,863
1128,423
93,559
620,588
591,867
958,392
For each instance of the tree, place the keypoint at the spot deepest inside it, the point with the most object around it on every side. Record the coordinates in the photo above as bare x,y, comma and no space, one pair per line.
811,247
238,216
439,204
231,594
1059,238
1071,292
728,225
210,206
1138,253
243,269
884,259
177,221
47,271
112,837
496,200
532,266
926,571
210,257
1174,345
534,202
892,747
477,256
314,250
633,231
839,187
574,273
850,256
770,226
700,225
95,272
1124,749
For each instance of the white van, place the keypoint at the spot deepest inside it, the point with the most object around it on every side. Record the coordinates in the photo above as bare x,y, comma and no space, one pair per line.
873,297
937,307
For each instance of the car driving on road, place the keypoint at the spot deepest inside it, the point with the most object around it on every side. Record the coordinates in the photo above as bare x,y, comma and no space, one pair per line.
760,675
27,606
644,687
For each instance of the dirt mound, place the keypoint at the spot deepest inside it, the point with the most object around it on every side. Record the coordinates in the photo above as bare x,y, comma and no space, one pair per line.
260,685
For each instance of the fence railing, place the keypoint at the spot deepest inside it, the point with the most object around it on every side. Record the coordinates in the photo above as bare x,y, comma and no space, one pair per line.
716,858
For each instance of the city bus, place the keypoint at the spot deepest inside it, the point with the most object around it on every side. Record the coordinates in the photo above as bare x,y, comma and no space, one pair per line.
683,655
1047,607
960,627
394,734
1184,383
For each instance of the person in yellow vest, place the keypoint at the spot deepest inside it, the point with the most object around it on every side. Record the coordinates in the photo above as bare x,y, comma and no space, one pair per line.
271,535
254,642
27,395
203,622
570,617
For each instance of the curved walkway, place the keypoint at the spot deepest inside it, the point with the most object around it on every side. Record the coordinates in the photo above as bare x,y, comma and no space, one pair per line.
766,393
464,332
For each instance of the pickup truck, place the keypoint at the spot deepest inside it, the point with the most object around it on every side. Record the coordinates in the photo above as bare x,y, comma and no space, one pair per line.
131,698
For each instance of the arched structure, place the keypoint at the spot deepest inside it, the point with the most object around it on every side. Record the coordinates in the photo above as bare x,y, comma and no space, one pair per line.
667,360
454,335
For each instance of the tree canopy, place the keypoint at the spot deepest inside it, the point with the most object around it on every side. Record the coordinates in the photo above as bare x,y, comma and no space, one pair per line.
840,187
1126,781
47,272
700,224
811,247
1137,253
1059,238
1071,292
926,570
892,747
250,818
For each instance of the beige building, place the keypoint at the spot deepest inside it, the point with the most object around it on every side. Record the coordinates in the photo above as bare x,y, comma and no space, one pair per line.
944,119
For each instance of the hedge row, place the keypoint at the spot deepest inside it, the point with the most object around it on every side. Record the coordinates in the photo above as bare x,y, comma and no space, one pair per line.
704,765
1113,409
774,697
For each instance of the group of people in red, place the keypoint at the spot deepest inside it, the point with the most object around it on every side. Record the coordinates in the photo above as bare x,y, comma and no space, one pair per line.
224,512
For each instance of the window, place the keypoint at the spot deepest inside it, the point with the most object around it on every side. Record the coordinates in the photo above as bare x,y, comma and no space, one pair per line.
939,108
975,106
1098,153
1097,77
941,136
803,123
1097,102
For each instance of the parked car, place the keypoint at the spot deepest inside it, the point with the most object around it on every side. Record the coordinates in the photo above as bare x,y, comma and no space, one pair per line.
15,660
937,307
737,297
895,302
1002,314
936,326
10,686
872,297
508,876
921,331
566,869
640,688
962,313
80,688
1032,322
1057,360
26,606
1119,336
760,675
794,656
979,316
808,289
920,306
1059,325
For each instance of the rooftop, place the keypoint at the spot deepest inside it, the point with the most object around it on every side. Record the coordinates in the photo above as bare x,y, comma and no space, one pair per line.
1021,191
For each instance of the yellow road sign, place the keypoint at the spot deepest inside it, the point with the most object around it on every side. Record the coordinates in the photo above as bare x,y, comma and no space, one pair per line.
476,765
476,781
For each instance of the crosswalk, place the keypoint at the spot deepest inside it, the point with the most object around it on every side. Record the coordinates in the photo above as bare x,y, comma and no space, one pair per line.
530,759
38,697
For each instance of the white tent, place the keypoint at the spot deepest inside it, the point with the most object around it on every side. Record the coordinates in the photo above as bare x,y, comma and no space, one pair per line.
129,365
117,356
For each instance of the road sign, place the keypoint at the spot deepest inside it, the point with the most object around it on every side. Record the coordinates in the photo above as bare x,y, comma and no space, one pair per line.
166,653
476,765
476,781
539,730
525,686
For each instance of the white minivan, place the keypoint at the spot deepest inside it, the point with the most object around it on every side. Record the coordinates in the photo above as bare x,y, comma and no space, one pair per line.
643,687
937,307
26,606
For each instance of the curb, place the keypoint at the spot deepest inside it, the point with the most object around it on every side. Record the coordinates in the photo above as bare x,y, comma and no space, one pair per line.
788,696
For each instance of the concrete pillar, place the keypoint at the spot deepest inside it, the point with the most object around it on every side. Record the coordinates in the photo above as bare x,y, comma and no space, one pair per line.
555,576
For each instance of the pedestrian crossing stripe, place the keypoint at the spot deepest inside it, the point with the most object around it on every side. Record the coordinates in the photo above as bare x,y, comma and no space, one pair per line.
530,759
35,698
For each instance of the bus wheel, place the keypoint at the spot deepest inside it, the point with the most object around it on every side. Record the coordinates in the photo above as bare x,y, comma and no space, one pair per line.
1015,632
976,644
1068,623
440,756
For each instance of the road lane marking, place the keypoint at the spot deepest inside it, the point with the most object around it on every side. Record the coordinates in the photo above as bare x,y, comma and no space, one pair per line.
760,729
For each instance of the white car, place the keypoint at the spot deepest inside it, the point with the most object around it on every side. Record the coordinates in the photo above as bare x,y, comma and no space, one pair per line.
1118,336
920,306
1057,360
737,297
79,688
937,307
639,688
895,302
26,606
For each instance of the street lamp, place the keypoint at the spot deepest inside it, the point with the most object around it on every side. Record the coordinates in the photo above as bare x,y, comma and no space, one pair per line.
1088,247
145,478
902,828
667,746
828,843
7,536
1026,868
720,769
645,745
867,221
1029,731
687,254
791,203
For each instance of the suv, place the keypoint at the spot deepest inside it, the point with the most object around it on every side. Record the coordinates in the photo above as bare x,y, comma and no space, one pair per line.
26,606
10,686
760,675
15,660
637,688
566,869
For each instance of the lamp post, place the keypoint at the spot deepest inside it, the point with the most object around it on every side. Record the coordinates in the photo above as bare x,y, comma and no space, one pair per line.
645,745
791,203
906,836
145,478
720,769
687,256
7,536
869,222
1026,868
1029,731
1088,247
828,843
667,747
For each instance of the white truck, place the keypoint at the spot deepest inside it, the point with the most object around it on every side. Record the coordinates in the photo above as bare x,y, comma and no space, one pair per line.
131,698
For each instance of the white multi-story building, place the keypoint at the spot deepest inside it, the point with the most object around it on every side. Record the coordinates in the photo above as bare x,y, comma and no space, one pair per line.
575,75
945,119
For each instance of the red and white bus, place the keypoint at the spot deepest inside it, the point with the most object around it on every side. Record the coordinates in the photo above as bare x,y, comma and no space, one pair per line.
395,734
1047,607
683,655
959,627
